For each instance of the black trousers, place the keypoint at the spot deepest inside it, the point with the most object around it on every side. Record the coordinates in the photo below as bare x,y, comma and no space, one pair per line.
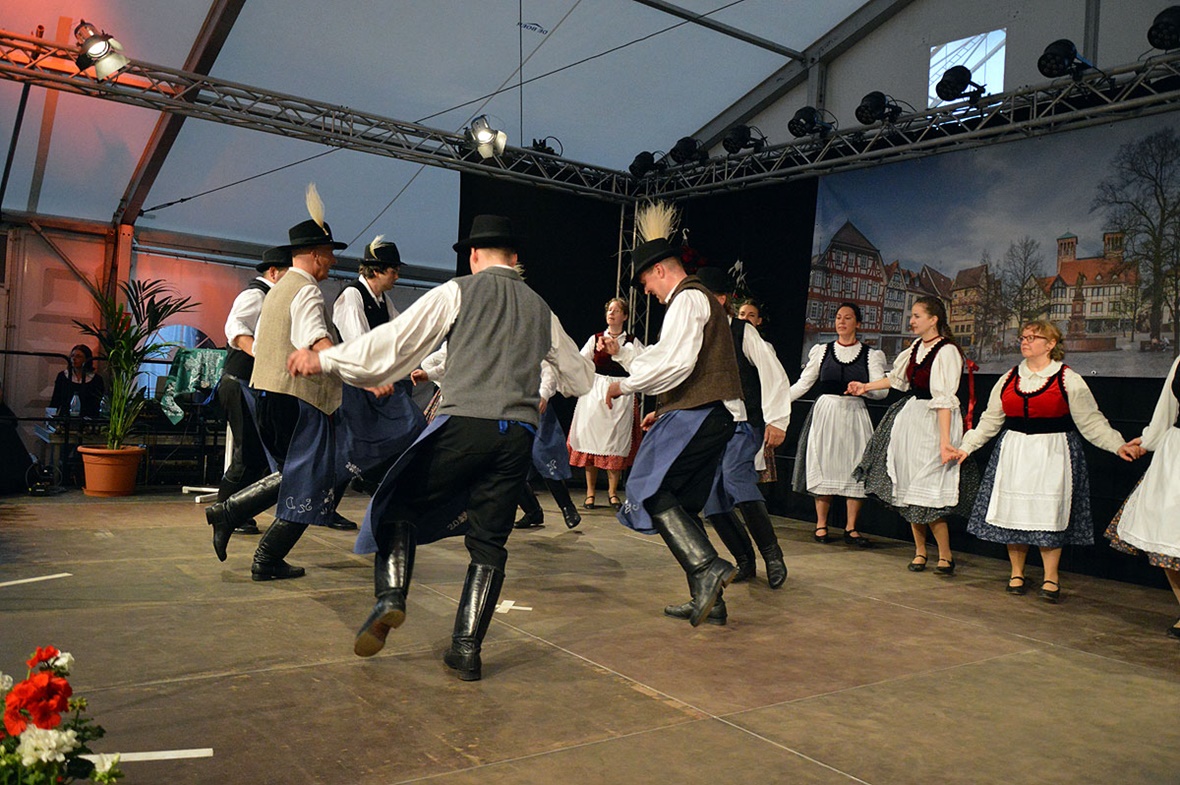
690,478
247,460
277,415
487,458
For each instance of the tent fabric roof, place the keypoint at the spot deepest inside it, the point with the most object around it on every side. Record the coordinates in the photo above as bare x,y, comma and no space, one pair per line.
607,79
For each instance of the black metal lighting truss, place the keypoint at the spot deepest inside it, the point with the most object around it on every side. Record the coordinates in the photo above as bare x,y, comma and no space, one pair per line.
37,62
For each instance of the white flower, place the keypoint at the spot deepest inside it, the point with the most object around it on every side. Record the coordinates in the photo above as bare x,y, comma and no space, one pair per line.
46,746
104,763
5,684
62,663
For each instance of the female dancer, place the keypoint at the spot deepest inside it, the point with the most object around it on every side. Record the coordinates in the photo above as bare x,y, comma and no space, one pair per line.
1036,488
1149,521
910,461
602,437
837,429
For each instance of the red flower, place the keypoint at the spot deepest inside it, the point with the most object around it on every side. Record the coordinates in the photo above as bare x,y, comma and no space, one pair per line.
43,654
42,696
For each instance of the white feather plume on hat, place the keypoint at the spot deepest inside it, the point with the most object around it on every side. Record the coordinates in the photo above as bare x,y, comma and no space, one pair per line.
378,242
315,206
654,220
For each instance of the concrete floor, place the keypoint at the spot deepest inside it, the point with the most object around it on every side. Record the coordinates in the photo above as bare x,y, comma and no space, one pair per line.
856,671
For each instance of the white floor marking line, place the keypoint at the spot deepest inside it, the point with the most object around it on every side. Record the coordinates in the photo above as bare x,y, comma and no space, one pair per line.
135,757
510,605
34,580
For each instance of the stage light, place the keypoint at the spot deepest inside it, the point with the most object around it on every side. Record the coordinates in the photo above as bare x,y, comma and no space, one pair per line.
1060,58
954,84
99,50
741,137
543,146
877,106
1165,30
646,162
688,149
808,121
484,139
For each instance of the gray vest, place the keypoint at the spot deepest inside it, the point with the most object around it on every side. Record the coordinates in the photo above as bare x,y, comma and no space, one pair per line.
495,348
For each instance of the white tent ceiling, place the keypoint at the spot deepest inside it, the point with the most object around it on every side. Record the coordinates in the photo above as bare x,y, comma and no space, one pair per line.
429,61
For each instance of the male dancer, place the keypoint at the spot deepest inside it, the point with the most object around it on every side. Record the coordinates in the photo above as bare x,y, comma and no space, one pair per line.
247,462
476,451
693,372
766,394
294,415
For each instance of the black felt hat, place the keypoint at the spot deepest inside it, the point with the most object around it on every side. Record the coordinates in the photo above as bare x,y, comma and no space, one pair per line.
647,254
309,234
279,256
718,281
490,231
383,255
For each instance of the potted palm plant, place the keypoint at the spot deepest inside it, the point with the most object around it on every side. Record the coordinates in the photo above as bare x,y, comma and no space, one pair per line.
126,332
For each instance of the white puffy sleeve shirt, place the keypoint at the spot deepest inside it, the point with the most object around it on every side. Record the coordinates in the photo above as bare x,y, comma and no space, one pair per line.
945,373
772,378
244,313
1164,415
845,354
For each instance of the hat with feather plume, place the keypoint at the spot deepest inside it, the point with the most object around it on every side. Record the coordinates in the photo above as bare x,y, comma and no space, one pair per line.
655,223
382,254
314,232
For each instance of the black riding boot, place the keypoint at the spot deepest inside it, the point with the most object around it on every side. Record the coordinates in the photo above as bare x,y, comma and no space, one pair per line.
274,546
707,572
533,514
718,615
481,590
238,509
392,570
561,495
758,521
737,542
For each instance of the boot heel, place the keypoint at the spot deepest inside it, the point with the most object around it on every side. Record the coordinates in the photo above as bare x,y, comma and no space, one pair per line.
388,614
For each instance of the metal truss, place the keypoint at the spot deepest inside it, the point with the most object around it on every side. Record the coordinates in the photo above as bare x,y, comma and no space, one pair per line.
1137,90
37,62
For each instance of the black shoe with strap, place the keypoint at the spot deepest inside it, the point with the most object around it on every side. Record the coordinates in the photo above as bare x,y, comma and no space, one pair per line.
918,566
947,569
1051,595
1019,588
854,537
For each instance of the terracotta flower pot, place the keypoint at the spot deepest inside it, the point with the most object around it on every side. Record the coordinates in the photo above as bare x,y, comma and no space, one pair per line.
110,472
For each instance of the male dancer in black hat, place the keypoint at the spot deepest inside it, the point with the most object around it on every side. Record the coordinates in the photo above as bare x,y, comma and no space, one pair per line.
294,415
476,451
247,462
766,395
693,373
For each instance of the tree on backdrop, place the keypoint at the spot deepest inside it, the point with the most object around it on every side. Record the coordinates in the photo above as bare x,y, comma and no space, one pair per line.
1021,270
1141,198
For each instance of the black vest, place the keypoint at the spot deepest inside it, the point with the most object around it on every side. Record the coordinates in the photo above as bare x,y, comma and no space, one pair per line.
751,382
834,375
376,313
237,362
1176,395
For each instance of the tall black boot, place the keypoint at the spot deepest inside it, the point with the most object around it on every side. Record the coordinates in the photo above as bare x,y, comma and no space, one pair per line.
481,590
707,572
561,495
734,536
274,546
392,570
758,521
533,514
238,509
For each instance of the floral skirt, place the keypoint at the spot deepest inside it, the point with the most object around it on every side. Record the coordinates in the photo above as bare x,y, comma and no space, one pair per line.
1154,559
1079,531
874,473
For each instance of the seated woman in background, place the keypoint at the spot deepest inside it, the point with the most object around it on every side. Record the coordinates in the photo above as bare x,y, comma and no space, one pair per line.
78,379
1036,488
1149,520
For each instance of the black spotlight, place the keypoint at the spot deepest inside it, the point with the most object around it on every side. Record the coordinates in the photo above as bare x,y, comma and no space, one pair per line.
1165,30
741,137
807,121
645,162
877,106
1060,58
954,84
688,149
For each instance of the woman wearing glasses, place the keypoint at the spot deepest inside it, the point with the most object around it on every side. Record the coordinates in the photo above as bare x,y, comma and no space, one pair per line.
1036,489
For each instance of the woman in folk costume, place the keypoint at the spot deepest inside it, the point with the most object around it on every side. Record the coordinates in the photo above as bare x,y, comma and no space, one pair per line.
910,461
837,429
1149,520
603,437
1036,488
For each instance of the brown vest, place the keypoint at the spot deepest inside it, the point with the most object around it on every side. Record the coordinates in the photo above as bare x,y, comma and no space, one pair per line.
274,344
715,376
